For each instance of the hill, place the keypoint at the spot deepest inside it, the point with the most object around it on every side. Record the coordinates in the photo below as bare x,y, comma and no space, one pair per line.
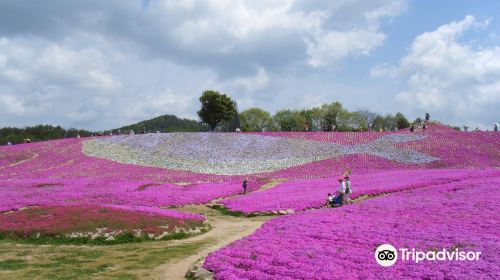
164,123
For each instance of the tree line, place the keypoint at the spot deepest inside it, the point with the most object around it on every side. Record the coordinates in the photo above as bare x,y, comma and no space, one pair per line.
16,135
220,111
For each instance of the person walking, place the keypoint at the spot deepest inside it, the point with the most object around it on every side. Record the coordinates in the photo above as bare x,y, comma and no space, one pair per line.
244,185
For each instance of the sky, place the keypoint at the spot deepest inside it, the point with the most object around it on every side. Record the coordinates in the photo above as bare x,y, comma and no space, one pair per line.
105,64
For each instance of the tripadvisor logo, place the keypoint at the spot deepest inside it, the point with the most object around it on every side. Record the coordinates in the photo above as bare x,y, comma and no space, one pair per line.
387,255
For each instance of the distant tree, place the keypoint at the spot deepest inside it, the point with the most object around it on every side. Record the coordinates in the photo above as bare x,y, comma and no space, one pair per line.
342,121
215,108
330,113
37,133
368,117
379,122
288,120
255,119
315,118
357,122
401,121
390,122
387,122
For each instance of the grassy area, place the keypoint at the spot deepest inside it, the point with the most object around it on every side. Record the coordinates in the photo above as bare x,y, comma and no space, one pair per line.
119,239
125,261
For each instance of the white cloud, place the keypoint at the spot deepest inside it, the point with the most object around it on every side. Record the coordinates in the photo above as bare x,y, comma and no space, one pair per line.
448,77
333,46
11,105
102,64
257,82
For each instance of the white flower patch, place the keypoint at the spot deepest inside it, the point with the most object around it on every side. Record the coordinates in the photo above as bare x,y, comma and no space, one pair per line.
237,154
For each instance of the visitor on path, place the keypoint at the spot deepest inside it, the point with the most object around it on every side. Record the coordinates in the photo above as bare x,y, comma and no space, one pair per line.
427,117
340,192
412,127
496,127
244,184
348,189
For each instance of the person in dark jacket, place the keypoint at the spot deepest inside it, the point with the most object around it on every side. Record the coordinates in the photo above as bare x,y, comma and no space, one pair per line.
244,185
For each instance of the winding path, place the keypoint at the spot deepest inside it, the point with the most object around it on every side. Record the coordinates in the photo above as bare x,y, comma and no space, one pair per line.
225,229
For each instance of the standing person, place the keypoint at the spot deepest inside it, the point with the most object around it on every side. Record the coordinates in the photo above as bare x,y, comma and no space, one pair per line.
496,127
244,184
412,128
348,189
341,192
427,117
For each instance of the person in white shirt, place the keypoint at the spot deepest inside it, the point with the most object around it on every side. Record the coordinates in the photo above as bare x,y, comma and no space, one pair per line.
348,189
341,192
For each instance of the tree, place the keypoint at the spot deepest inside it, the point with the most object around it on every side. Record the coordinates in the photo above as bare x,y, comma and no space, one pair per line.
401,121
368,117
288,120
215,108
390,122
255,119
378,123
331,112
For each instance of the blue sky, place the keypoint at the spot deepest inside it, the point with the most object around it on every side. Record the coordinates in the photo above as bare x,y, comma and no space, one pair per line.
103,64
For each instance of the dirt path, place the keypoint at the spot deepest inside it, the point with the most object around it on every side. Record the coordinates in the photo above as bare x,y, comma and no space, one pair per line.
225,229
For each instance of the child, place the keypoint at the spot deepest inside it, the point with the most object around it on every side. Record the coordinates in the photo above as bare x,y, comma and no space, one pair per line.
330,201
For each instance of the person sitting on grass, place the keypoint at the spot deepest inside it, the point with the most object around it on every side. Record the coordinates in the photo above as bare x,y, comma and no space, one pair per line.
330,202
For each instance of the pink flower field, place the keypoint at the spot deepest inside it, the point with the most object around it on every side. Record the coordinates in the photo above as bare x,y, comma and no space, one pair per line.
340,243
300,195
430,190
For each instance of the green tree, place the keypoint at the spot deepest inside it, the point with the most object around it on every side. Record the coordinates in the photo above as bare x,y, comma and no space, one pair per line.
330,114
378,123
215,108
401,121
255,119
288,120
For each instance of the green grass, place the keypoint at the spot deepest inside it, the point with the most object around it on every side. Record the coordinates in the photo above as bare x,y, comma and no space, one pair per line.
13,264
223,210
125,261
126,237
